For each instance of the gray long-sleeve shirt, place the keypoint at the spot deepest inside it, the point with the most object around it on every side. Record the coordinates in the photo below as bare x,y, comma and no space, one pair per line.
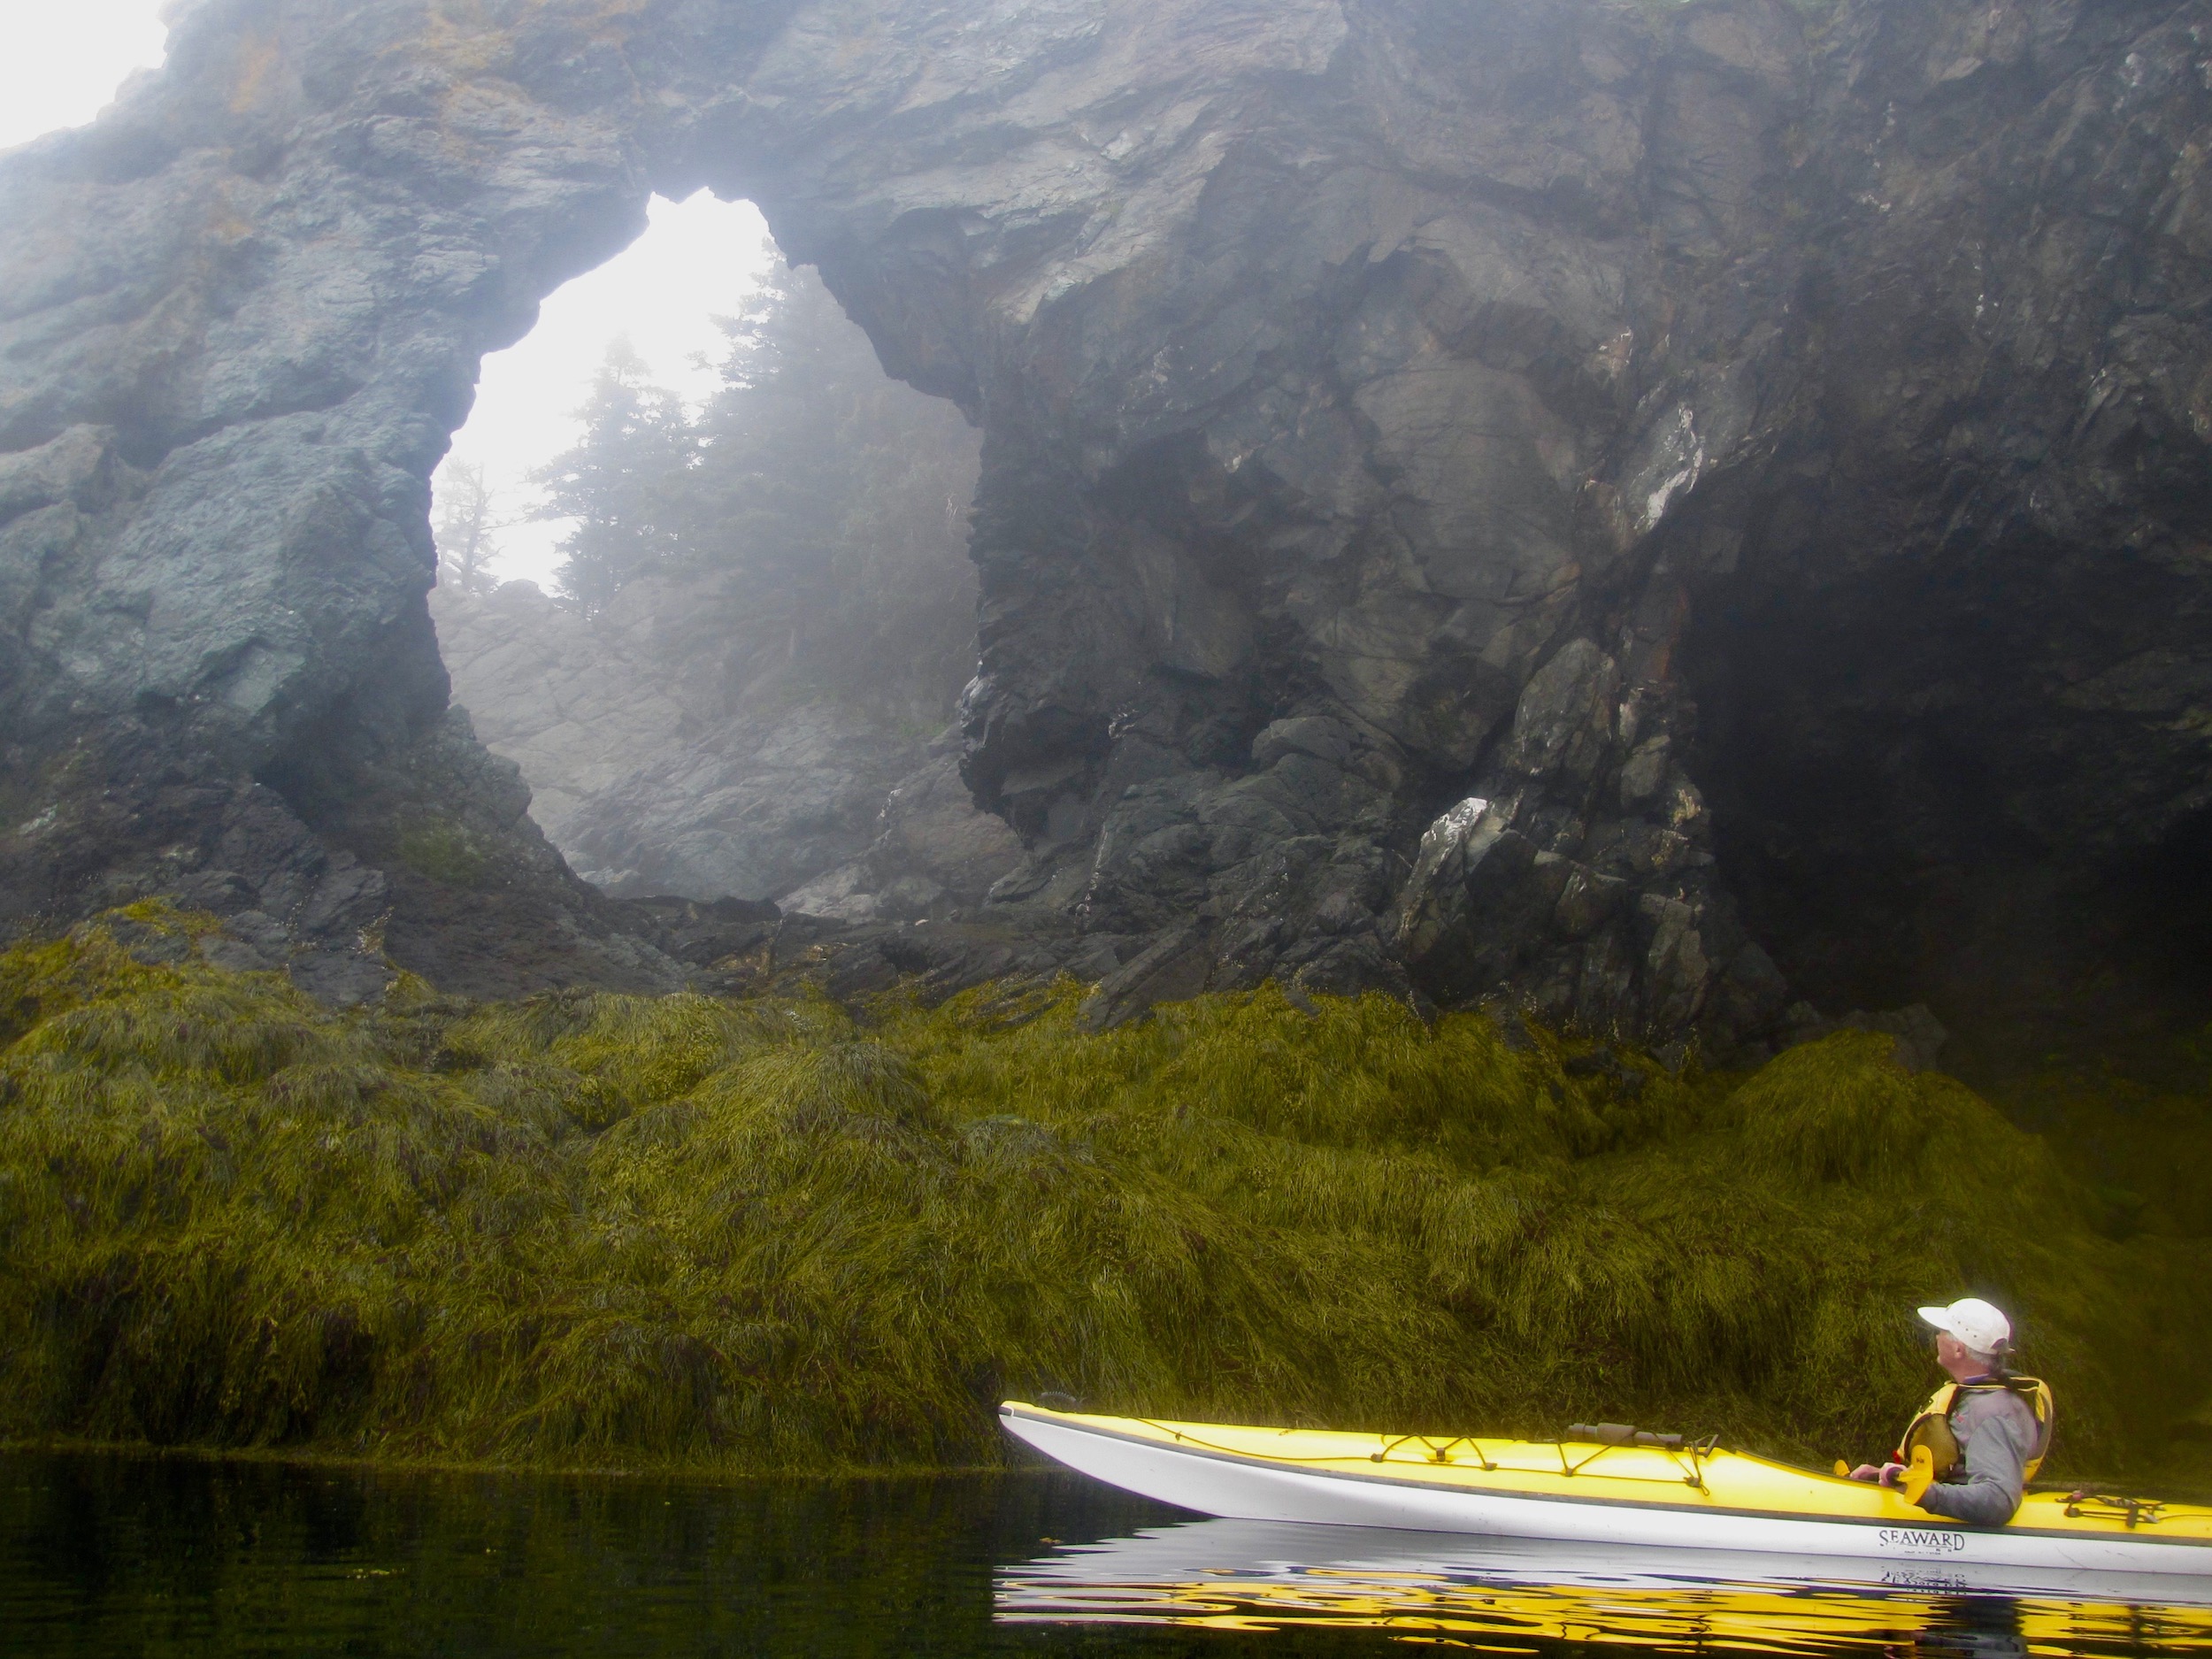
1997,1433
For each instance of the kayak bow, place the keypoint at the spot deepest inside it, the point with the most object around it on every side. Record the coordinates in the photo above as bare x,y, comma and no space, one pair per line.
1696,1496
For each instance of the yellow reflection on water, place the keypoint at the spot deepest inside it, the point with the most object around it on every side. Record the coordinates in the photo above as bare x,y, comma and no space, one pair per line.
1458,1604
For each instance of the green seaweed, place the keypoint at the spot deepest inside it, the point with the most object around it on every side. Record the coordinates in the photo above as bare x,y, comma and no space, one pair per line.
588,1230
444,850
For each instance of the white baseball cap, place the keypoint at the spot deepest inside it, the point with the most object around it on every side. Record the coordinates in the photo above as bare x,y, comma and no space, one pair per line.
1974,1322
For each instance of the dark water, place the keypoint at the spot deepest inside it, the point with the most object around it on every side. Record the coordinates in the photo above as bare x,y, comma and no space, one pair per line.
109,1556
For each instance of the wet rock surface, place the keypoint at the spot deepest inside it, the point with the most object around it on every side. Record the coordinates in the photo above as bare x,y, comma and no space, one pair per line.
1649,511
655,776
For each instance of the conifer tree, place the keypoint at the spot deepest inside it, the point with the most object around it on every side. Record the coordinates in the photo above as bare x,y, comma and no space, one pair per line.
626,484
468,527
821,503
843,495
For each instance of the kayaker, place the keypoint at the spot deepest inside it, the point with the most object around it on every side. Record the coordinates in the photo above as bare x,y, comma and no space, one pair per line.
1987,1430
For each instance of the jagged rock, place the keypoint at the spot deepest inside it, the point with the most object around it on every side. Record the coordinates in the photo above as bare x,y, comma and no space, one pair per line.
1757,447
565,699
1920,1036
1539,889
1176,966
654,774
934,854
720,934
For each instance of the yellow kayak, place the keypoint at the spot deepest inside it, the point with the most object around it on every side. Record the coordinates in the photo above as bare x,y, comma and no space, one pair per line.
1646,1491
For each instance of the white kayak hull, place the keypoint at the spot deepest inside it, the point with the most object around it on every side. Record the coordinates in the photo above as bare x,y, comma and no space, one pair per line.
1252,1489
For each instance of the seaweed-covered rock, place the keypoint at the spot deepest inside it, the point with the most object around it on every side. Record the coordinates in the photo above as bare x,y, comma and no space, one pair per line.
677,1231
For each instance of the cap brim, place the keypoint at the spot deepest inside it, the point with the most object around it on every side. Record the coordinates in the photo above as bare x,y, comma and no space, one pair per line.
1939,1317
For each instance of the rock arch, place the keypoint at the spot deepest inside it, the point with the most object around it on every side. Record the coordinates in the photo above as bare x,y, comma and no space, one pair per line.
1375,394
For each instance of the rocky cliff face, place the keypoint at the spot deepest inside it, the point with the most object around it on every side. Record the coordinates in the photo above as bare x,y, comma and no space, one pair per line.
654,774
1597,500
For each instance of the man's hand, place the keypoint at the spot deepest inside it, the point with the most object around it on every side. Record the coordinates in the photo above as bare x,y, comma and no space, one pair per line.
1884,1474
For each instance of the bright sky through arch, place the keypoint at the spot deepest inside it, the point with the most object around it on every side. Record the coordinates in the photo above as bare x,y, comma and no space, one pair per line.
697,259
61,61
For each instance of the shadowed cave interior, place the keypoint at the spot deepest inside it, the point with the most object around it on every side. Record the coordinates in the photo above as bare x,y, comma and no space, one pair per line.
705,727
698,730
1883,797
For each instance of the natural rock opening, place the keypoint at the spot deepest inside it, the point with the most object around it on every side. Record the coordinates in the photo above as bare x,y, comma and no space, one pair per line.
742,681
1372,395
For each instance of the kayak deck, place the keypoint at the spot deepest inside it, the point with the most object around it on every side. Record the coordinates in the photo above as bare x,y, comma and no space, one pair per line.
1706,1481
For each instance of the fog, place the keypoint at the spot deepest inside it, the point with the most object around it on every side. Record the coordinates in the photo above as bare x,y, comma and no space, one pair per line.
698,259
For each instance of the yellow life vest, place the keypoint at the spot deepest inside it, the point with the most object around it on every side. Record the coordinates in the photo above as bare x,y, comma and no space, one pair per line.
1931,1429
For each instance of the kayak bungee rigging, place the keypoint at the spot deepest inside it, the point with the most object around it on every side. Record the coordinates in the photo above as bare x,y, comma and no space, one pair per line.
1601,1484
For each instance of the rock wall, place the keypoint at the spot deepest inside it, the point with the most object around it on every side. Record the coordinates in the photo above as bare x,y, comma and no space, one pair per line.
1504,492
654,774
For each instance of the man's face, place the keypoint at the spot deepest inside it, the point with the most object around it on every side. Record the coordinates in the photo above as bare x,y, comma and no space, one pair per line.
1950,1352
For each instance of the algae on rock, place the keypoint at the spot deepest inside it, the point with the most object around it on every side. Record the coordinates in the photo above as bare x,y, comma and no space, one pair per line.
598,1229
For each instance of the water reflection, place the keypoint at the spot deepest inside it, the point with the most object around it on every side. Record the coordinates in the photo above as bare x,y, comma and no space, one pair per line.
107,1557
116,1556
1500,1597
